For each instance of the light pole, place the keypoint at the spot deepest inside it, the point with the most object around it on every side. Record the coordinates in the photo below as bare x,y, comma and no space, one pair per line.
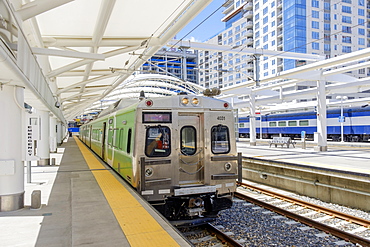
341,119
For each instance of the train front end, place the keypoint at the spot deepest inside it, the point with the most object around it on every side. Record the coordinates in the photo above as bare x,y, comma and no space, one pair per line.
186,160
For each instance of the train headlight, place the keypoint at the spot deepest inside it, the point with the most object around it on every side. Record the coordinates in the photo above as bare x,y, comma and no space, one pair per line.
185,101
149,103
228,166
149,172
195,101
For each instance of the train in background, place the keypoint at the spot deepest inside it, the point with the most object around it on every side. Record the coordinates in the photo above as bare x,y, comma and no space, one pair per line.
179,152
356,124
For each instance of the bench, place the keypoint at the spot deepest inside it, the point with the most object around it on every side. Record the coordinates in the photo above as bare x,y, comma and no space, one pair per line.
282,141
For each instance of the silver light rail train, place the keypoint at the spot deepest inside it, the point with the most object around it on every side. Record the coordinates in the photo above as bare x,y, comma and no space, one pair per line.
179,152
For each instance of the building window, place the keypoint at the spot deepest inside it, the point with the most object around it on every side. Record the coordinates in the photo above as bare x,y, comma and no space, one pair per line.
327,16
361,12
361,31
265,29
361,41
327,6
361,22
315,24
265,10
346,49
346,19
315,14
326,47
265,20
315,3
346,39
346,29
315,35
326,26
315,46
346,9
265,38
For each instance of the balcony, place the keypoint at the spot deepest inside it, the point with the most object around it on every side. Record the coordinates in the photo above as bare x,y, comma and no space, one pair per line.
249,33
248,6
248,14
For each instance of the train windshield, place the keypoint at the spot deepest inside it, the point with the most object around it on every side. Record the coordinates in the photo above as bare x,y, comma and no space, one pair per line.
188,140
157,141
220,139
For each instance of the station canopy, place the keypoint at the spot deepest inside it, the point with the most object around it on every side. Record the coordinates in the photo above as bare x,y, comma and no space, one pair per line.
87,48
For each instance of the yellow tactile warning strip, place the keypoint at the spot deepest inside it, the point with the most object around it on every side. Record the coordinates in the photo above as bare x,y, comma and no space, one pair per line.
140,228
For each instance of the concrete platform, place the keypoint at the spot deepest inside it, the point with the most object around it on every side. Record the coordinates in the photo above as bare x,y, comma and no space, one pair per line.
354,157
74,210
340,175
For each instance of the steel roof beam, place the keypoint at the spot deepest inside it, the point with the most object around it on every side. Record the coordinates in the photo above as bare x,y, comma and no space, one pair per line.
77,64
62,53
37,7
105,42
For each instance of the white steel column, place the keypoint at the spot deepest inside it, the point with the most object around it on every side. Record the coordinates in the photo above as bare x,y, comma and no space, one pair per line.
12,148
43,148
53,135
252,120
321,117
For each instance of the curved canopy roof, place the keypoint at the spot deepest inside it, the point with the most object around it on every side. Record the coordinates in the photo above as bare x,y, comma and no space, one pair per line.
87,48
154,85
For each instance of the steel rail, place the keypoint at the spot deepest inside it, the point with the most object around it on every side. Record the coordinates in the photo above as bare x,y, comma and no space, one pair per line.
347,217
225,239
307,221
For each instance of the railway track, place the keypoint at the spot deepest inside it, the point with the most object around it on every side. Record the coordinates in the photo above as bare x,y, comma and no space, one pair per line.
324,214
208,235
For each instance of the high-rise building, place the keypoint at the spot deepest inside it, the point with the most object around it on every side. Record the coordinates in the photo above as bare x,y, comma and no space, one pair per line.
319,27
181,63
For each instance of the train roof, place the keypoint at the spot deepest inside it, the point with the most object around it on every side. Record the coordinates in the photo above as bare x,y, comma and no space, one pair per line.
176,101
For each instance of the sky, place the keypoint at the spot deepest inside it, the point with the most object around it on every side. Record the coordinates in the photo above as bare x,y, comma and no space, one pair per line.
208,28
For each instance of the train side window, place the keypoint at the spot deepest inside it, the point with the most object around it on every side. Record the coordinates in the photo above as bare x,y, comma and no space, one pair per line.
241,125
303,122
281,123
110,137
129,134
272,124
157,141
292,123
188,138
220,139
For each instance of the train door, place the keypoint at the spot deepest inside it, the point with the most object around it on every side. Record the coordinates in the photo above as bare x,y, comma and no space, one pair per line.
103,140
90,135
110,141
191,151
